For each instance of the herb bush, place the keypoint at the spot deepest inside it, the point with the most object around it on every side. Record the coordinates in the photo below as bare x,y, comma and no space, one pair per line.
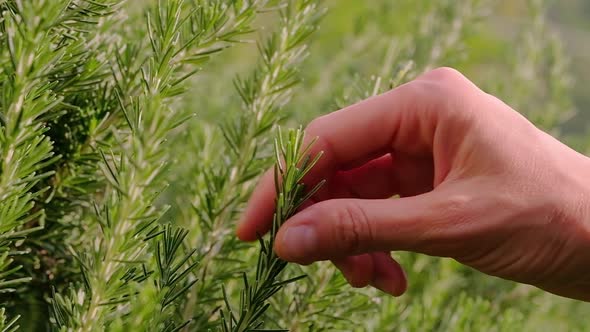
131,133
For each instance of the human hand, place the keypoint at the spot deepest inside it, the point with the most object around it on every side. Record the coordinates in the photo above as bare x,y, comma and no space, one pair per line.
477,181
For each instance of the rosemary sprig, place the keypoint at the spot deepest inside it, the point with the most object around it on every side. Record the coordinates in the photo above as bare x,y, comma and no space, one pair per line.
292,163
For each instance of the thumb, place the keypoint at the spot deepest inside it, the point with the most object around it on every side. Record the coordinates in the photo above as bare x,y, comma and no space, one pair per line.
344,227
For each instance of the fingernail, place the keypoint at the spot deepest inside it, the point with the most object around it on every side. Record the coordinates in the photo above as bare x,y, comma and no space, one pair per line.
298,241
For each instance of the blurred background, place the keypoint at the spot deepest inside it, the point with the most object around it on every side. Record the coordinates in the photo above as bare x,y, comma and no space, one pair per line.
492,42
506,47
571,19
570,22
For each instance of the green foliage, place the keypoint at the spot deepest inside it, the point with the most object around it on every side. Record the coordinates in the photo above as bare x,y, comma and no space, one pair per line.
222,185
541,58
292,163
131,134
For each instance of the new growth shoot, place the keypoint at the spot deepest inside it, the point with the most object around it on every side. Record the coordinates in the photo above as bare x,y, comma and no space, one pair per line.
293,162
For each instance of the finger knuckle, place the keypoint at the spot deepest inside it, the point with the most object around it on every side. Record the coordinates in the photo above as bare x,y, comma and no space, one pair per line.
453,215
353,227
457,203
444,75
457,210
446,85
450,94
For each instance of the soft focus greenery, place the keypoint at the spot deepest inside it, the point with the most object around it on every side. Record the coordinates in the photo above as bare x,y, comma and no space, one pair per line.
132,133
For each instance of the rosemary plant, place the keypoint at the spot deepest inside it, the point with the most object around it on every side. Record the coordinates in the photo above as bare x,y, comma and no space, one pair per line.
128,215
292,163
263,95
39,59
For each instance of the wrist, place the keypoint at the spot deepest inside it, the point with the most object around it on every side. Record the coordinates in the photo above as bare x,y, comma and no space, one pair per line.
568,184
573,222
576,202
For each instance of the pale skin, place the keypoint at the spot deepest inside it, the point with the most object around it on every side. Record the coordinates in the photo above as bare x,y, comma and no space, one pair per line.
477,182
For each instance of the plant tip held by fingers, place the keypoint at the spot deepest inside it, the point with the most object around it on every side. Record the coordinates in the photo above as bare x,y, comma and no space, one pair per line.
293,162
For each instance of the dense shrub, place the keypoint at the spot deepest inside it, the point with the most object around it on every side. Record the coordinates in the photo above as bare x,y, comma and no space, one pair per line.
131,133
